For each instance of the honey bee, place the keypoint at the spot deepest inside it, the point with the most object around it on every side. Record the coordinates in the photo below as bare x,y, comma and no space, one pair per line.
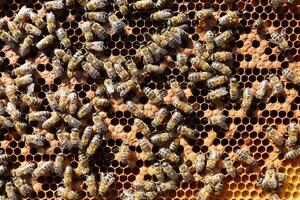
221,67
110,87
100,91
205,192
161,15
186,131
83,164
24,188
70,3
67,176
161,138
209,42
95,46
52,101
63,55
234,91
185,173
132,69
178,20
87,31
231,18
182,106
151,195
8,39
3,170
205,14
15,30
120,70
277,85
161,3
99,124
247,99
212,159
260,27
51,22
198,63
100,102
156,99
54,5
219,120
228,165
24,80
173,39
262,90
12,110
90,70
37,20
135,110
181,63
25,47
143,5
45,42
147,55
293,132
221,56
10,91
57,68
58,164
160,40
11,191
223,38
100,16
274,197
269,181
99,30
142,127
72,101
95,4
272,134
105,182
110,70
146,148
4,122
4,159
32,30
158,172
169,171
174,145
94,61
216,81
37,140
165,186
177,90
29,100
22,15
200,162
174,120
123,8
85,110
291,76
157,52
168,155
94,145
116,24
85,138
64,140
245,157
91,185
20,126
75,137
67,193
213,179
63,37
279,40
201,55
125,87
71,121
38,116
156,69
143,185
43,169
292,153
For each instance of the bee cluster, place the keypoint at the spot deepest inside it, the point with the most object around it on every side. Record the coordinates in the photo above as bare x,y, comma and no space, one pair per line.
190,66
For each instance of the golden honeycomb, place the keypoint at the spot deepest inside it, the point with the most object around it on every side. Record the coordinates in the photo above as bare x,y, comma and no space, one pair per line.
254,59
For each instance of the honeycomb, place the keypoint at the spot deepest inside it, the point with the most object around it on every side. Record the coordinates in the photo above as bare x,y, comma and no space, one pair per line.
254,59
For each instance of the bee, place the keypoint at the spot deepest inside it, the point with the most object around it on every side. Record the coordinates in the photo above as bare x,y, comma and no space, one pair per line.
85,138
186,131
231,18
63,37
71,121
221,67
25,47
94,61
275,4
94,145
147,55
62,55
22,15
247,99
217,93
218,187
75,137
146,148
277,85
110,87
223,38
135,110
221,56
293,132
91,185
10,91
274,136
161,3
67,193
86,28
3,170
4,159
212,159
245,157
165,186
269,181
70,3
24,188
64,140
37,140
198,63
262,90
54,5
156,99
58,164
43,169
201,55
181,63
142,127
174,120
116,24
95,4
14,113
52,101
200,162
90,70
233,89
100,91
198,76
279,40
173,39
205,192
169,171
151,195
105,182
132,69
72,101
4,122
8,39
161,15
120,70
15,30
125,87
274,197
24,80
168,155
100,16
158,172
11,191
32,30
175,87
258,24
160,117
83,164
216,81
143,185
160,40
37,20
24,69
228,165
51,22
209,42
45,42
123,8
95,46
85,110
57,68
67,176
99,124
213,179
100,102
99,30
185,173
162,138
205,14
291,76
219,120
143,5
182,106
156,51
156,69
110,70
292,153
38,116
178,20
20,126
